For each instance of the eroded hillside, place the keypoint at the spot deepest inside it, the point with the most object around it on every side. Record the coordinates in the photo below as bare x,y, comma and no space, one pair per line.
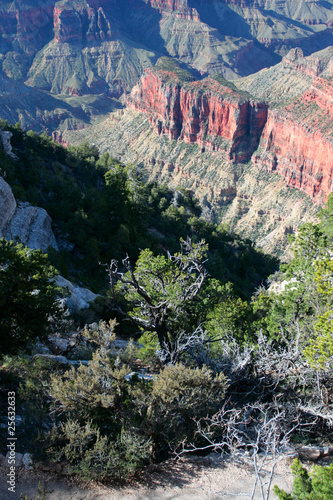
82,47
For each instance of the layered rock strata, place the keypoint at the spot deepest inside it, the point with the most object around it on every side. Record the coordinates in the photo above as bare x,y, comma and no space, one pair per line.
181,8
79,21
295,140
303,157
208,112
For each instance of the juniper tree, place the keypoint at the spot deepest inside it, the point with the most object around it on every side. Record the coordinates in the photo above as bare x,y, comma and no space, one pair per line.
161,288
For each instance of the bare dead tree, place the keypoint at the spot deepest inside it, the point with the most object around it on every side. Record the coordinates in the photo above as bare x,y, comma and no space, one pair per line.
183,343
256,435
160,288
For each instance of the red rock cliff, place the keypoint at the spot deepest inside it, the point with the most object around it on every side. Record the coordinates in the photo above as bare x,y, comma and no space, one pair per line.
80,21
206,112
297,142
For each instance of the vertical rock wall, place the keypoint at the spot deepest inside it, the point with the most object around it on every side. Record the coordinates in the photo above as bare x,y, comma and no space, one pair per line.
205,112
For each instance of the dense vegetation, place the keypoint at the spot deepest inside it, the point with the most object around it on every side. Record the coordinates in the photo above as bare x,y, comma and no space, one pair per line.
318,485
28,296
234,361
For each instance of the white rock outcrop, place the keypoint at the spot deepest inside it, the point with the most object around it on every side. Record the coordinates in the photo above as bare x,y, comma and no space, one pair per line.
79,297
31,225
7,205
5,143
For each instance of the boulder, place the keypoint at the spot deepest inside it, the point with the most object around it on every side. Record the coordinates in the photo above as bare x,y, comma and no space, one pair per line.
27,461
79,298
7,205
31,225
52,357
311,453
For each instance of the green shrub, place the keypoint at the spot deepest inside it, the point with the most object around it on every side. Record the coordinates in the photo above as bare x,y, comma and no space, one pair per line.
316,485
28,296
97,456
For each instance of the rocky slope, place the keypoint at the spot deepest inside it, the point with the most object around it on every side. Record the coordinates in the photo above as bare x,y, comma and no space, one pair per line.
41,111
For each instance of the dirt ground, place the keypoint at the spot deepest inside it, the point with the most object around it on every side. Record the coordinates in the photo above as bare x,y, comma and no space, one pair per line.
187,479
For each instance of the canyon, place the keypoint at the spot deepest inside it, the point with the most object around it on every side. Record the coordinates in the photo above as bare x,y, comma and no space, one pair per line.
218,96
244,147
214,114
92,46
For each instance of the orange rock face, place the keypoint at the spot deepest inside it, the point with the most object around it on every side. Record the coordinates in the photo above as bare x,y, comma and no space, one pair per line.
302,154
206,112
295,142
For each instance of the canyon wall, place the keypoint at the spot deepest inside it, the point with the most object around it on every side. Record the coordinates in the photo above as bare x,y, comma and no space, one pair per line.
297,142
82,23
207,112
303,158
294,141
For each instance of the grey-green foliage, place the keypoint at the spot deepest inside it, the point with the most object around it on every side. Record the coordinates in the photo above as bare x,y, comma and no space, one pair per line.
98,456
109,424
